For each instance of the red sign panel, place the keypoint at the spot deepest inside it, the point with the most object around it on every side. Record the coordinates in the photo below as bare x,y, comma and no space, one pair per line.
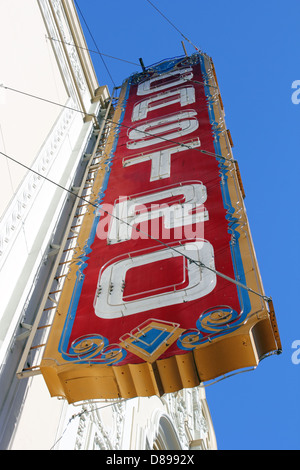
170,218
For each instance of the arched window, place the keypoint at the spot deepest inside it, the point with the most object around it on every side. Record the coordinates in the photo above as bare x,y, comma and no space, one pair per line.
165,437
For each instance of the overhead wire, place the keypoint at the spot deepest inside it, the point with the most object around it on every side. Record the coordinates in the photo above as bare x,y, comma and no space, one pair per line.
122,60
173,25
120,220
8,168
206,152
94,41
90,50
45,99
101,54
85,411
105,212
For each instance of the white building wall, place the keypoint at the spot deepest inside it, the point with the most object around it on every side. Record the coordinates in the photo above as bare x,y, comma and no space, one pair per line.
28,64
52,140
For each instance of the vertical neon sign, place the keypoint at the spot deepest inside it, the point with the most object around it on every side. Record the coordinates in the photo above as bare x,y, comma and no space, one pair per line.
145,303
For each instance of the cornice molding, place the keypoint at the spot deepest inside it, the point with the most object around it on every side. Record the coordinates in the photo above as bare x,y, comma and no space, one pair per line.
71,50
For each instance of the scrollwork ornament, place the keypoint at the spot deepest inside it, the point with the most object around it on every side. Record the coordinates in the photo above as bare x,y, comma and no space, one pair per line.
94,348
217,319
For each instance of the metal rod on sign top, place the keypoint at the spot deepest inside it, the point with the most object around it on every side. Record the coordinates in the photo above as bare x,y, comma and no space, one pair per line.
142,64
183,45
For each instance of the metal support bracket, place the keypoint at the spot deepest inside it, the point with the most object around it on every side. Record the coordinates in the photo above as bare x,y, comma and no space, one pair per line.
54,249
26,333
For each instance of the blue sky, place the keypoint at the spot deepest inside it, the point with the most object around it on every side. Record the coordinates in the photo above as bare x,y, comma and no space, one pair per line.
255,48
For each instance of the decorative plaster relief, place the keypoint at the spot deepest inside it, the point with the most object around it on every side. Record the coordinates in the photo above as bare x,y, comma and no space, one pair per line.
16,212
23,200
68,38
93,434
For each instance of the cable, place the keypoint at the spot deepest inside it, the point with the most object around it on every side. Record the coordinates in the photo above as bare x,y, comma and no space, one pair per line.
202,83
159,241
172,24
8,169
45,99
206,152
94,42
105,212
77,415
90,50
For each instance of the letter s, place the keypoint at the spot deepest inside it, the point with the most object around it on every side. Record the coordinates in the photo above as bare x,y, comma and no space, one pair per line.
296,94
296,354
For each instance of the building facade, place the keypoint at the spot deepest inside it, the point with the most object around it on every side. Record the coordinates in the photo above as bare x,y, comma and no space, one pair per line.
53,116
